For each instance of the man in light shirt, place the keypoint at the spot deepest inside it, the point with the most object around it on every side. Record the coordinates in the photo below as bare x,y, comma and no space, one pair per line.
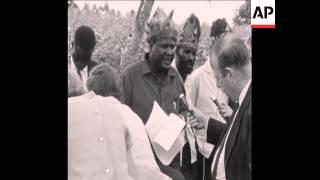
200,87
82,49
230,60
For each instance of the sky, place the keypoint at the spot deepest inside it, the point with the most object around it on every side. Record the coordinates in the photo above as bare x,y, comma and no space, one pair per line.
206,11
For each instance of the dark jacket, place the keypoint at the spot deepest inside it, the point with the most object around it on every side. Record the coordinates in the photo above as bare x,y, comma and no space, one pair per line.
238,149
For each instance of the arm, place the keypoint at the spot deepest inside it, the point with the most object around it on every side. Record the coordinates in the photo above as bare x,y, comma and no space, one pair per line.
214,127
144,164
214,130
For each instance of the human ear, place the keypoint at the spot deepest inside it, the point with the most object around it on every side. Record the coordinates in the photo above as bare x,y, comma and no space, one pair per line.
229,72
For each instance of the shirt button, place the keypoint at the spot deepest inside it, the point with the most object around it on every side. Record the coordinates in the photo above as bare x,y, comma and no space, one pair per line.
96,112
101,139
107,171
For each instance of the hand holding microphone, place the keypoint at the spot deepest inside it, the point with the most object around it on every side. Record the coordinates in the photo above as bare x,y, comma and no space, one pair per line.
184,110
224,109
195,117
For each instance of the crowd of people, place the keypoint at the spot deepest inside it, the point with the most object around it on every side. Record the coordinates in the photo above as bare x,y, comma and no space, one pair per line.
107,114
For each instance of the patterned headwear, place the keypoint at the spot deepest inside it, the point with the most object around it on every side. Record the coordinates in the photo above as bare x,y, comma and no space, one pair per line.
190,33
161,26
242,31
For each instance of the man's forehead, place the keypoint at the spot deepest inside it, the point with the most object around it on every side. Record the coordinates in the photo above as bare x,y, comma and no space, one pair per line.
166,41
189,49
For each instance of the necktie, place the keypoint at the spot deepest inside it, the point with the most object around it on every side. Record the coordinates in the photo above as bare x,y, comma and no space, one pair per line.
214,173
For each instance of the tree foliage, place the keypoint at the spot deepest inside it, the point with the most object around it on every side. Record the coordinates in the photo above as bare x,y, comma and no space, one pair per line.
218,27
243,14
120,38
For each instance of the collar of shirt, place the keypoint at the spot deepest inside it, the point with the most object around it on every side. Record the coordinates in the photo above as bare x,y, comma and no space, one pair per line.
84,77
207,67
173,64
85,71
146,68
90,95
71,64
244,92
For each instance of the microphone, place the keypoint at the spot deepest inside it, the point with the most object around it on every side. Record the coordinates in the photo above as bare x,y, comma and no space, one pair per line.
183,100
215,100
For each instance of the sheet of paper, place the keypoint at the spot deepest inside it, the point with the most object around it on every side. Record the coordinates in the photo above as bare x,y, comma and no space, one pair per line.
155,121
166,157
169,131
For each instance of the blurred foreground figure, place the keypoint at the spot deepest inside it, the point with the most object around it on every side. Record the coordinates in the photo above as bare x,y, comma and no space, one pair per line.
106,140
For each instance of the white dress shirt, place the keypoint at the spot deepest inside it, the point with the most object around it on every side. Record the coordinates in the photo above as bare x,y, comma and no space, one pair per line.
84,74
106,140
200,85
221,174
145,166
98,140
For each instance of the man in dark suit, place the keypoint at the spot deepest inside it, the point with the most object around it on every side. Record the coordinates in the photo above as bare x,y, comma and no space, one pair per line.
82,49
231,63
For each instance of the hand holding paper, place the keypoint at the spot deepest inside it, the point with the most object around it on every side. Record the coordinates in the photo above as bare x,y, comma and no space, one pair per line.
169,131
166,134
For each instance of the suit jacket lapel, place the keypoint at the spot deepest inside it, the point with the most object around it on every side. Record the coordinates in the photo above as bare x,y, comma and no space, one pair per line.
221,140
237,123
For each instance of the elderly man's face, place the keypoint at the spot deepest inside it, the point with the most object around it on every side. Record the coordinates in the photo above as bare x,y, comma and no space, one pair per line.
186,60
225,80
162,53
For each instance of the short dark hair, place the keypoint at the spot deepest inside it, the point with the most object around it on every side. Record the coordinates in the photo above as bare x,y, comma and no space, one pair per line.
85,38
103,80
231,51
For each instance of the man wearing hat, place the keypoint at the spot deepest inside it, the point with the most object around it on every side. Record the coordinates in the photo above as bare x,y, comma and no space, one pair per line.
187,46
153,78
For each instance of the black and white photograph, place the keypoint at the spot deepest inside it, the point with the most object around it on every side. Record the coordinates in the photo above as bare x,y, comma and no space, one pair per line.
160,90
